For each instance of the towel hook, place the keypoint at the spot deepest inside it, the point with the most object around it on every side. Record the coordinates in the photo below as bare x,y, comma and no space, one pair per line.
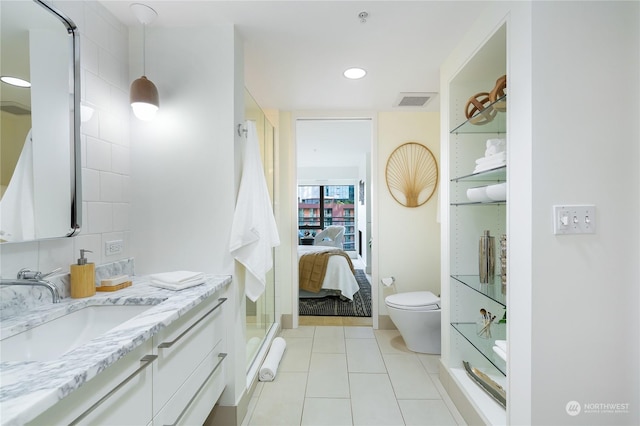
242,130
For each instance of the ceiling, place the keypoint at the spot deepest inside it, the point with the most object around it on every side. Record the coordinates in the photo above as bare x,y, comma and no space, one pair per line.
296,52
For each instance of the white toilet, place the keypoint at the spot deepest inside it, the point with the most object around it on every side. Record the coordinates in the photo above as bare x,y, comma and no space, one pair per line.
416,315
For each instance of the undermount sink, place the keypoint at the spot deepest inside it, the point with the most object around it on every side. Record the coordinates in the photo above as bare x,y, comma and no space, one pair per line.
51,339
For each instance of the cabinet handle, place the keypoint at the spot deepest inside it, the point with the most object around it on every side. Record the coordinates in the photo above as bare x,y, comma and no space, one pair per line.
146,360
222,356
169,344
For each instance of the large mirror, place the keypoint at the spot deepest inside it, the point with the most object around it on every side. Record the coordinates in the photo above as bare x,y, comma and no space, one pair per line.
40,124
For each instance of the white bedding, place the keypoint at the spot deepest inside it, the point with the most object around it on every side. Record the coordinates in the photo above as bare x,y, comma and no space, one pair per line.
338,275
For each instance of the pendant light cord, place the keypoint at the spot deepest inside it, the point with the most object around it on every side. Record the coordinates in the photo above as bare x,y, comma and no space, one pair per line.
144,49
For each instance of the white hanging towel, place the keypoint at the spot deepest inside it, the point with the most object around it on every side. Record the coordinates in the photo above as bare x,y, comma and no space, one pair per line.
253,232
17,212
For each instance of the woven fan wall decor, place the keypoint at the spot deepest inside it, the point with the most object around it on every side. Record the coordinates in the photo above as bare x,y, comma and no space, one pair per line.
412,174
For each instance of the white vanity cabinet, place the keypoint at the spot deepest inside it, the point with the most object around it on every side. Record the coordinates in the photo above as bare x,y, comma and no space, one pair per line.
188,375
173,378
121,395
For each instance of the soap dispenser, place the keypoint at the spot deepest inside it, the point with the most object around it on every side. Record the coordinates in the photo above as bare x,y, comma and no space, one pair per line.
83,277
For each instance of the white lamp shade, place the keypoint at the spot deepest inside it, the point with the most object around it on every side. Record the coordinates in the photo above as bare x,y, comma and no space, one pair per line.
144,98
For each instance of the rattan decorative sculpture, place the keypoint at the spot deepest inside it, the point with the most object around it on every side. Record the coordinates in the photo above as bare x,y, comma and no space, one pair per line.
412,174
477,109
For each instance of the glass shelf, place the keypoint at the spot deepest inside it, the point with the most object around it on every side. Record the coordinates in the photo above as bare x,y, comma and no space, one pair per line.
499,174
493,290
475,203
484,346
497,125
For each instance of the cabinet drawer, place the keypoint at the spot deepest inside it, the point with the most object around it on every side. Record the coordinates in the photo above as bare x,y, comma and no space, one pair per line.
129,404
195,399
183,346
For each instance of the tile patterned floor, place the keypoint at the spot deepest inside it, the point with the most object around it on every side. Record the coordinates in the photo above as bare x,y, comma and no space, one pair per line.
351,375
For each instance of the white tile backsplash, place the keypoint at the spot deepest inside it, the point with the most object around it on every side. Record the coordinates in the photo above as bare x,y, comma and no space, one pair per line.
111,129
110,187
120,160
121,218
99,217
90,185
97,28
97,91
89,52
110,68
98,154
55,254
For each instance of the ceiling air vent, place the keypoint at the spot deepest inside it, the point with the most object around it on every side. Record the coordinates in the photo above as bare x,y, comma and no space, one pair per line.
414,99
14,108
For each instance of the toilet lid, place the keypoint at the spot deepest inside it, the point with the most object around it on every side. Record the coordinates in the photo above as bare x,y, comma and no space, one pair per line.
414,300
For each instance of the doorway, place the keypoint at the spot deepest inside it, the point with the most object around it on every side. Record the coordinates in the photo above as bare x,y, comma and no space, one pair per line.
334,180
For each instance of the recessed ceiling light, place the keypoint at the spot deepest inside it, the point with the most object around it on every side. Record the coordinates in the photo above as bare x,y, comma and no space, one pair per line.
15,81
355,73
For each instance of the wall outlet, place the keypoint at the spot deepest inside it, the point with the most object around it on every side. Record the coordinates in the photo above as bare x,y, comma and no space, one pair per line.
113,247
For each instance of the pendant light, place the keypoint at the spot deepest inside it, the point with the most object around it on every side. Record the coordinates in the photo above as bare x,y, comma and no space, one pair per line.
143,94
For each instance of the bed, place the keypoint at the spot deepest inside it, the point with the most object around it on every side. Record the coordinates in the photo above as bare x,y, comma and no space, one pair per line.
338,278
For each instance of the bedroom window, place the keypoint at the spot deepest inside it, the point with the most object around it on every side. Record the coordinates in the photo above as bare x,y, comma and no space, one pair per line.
322,205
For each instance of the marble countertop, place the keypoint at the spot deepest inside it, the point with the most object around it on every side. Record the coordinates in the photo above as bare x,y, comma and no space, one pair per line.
28,388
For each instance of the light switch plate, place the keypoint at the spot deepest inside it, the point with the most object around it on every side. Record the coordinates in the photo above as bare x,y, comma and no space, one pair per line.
574,219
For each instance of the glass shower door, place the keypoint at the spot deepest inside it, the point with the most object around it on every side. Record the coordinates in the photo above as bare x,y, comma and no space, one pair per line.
260,315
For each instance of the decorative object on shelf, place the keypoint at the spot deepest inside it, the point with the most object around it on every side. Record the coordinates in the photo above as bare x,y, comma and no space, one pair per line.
477,109
494,390
412,174
483,325
503,264
487,258
497,93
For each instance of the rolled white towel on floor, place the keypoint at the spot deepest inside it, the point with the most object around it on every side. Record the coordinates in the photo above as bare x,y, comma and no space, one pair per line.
270,365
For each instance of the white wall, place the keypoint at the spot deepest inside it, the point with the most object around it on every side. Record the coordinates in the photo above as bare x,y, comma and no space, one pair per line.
585,288
185,176
105,149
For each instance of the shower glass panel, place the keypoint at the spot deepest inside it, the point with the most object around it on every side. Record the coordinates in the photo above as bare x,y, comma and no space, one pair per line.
260,314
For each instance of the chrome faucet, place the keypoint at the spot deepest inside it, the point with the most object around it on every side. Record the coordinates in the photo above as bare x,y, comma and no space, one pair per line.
36,279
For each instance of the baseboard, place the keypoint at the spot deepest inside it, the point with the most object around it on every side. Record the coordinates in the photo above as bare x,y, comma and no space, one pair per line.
286,321
385,323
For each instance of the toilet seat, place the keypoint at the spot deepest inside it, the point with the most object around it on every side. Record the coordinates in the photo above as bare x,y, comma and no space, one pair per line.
413,301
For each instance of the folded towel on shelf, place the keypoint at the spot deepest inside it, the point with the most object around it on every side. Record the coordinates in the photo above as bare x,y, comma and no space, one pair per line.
495,146
270,365
501,156
502,354
177,280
